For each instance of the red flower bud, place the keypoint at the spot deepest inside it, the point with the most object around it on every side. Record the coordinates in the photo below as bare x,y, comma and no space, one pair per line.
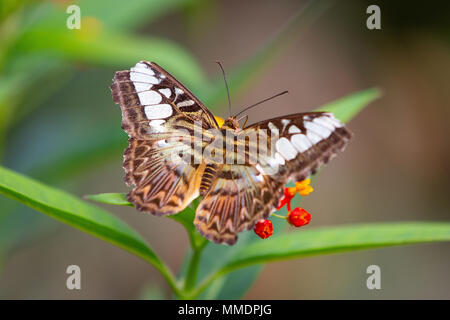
264,228
298,217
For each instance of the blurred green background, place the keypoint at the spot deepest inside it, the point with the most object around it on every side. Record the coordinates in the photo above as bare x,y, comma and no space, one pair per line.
58,124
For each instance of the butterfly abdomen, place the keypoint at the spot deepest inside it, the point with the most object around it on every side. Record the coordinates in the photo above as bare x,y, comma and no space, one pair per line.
209,174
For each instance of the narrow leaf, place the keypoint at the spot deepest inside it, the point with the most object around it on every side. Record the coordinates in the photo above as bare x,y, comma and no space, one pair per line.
185,217
332,240
348,107
79,214
118,199
115,50
339,239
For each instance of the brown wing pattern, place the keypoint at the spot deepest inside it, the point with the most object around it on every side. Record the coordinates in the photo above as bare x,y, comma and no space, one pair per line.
243,194
164,182
159,114
301,143
238,197
154,103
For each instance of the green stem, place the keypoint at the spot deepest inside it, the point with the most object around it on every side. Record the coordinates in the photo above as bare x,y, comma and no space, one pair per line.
191,274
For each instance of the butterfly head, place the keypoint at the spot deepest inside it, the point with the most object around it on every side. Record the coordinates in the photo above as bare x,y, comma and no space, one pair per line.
231,123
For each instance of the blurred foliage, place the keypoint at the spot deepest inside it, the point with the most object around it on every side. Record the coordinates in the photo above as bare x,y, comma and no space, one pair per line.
66,73
221,260
100,223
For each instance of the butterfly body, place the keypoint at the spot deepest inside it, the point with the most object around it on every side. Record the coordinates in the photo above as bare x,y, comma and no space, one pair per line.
177,152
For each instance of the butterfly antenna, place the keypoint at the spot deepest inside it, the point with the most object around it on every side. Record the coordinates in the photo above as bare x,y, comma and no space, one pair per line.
254,105
226,85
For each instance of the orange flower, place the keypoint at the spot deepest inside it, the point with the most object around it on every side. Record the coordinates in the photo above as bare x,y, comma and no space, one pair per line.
298,217
302,187
264,228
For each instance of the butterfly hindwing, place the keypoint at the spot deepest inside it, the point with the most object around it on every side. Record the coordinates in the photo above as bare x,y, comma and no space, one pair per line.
164,182
238,197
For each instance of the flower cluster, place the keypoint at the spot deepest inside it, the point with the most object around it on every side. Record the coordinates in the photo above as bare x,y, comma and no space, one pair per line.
297,217
303,188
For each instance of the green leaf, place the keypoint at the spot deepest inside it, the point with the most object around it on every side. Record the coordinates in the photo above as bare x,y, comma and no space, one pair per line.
79,214
118,199
299,244
348,107
339,239
113,14
116,50
120,14
185,217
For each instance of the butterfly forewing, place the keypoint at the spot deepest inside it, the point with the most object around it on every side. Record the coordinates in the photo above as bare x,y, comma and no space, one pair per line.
159,115
153,100
300,143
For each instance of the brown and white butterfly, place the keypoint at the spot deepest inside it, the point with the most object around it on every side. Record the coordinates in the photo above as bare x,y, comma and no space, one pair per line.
159,115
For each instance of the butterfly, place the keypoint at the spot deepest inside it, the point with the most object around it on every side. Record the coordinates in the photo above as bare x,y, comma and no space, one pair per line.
161,115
